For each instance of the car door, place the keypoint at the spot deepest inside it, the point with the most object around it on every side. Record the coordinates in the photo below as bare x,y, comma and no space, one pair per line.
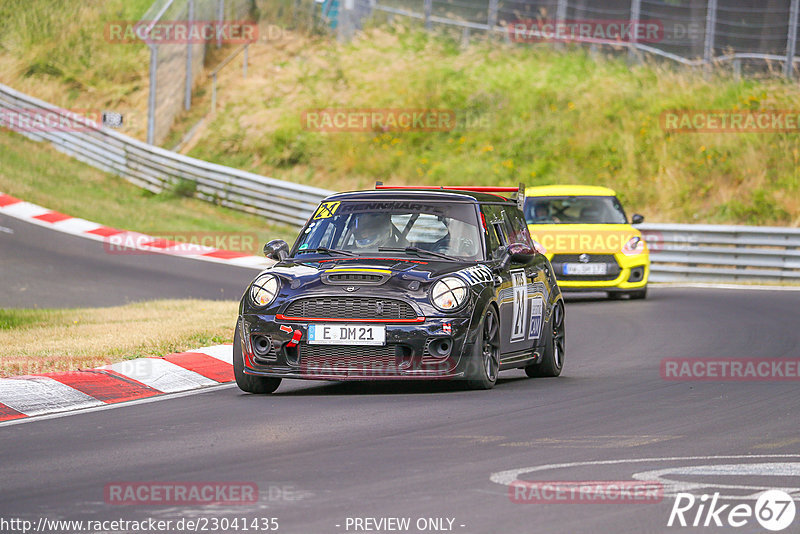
537,278
513,290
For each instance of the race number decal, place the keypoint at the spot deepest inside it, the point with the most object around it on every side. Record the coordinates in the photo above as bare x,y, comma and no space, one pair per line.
520,303
326,210
537,308
477,274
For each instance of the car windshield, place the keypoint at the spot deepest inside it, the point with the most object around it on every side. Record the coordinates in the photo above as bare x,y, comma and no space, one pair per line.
404,227
574,210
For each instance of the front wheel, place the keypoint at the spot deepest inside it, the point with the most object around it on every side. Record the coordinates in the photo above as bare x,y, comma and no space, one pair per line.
554,348
639,294
249,383
485,359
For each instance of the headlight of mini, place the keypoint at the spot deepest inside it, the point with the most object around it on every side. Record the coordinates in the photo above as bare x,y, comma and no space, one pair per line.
449,293
264,290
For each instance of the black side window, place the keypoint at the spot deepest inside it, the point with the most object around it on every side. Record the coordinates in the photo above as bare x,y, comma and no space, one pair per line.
516,226
497,238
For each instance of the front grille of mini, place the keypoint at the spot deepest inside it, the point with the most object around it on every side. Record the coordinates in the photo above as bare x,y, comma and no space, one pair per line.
368,359
350,308
355,278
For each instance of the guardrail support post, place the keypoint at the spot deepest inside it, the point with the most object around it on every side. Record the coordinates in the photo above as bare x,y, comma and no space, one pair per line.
187,97
151,98
492,20
214,92
345,19
428,8
636,13
220,18
791,40
711,28
244,63
561,16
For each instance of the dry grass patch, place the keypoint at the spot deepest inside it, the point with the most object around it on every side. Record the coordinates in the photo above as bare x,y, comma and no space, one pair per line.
40,341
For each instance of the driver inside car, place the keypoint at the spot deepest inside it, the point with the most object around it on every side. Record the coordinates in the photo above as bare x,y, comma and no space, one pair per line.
374,230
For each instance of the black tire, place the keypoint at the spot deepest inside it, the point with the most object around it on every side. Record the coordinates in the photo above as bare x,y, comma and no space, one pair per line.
554,347
485,357
249,383
639,294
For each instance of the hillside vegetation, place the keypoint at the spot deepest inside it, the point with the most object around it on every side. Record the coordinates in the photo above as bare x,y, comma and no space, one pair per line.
528,114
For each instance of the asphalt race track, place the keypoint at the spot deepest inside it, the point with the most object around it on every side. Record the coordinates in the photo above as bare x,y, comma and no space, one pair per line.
47,269
324,452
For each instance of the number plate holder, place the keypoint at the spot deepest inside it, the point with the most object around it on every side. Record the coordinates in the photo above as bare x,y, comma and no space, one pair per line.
585,269
346,334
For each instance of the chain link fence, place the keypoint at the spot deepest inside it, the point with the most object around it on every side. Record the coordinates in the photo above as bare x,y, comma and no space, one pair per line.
176,63
747,33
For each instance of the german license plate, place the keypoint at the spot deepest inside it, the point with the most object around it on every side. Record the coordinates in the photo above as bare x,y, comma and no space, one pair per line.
346,334
584,268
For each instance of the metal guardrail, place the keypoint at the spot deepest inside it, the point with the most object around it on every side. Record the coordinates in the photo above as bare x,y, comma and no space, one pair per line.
717,253
679,252
156,169
736,28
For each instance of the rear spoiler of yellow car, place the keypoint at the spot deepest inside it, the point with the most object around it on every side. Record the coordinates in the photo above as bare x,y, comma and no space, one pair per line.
516,193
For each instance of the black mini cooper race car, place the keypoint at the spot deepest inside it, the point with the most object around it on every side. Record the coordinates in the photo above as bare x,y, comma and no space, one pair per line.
403,283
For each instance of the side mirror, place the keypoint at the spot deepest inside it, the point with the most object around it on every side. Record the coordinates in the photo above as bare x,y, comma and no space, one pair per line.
637,219
517,253
277,250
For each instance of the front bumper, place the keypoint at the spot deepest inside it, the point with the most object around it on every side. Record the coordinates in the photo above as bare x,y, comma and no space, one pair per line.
410,351
629,273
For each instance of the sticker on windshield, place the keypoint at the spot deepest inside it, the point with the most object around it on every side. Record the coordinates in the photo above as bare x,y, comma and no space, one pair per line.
326,210
520,303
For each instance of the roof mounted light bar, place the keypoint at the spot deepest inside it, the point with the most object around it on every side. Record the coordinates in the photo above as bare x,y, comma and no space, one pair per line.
517,193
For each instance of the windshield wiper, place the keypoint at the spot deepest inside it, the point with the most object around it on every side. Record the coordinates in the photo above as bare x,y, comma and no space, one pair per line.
419,252
326,250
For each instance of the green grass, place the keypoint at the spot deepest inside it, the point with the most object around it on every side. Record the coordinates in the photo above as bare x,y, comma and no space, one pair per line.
528,114
537,116
48,340
65,40
37,173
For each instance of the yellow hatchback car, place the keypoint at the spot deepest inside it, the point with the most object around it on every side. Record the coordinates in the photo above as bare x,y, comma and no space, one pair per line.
585,234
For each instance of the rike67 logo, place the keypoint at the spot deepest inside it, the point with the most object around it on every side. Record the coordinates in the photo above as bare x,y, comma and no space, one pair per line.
774,510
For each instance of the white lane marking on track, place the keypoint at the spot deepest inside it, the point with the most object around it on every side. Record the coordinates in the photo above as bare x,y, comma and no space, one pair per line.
6,230
672,487
220,352
509,476
41,394
25,210
700,285
76,226
166,396
161,375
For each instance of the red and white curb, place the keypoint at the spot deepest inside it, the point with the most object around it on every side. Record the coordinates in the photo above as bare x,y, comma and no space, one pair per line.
32,395
54,220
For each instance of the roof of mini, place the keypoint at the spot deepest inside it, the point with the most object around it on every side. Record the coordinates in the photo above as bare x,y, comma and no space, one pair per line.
569,190
412,193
